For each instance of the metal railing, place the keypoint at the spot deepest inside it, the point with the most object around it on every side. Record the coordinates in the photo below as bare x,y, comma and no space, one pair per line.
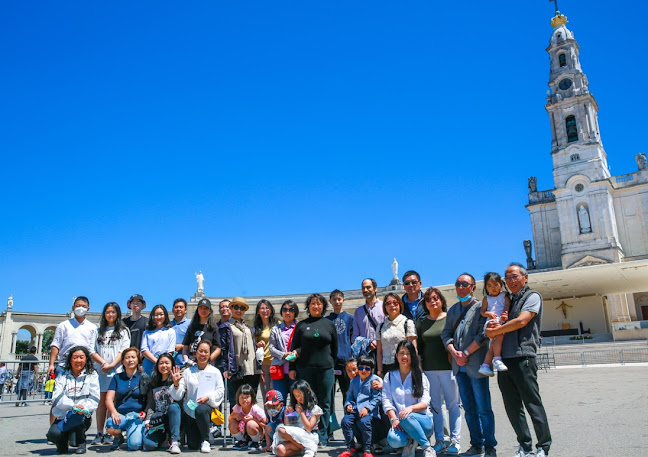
10,383
584,358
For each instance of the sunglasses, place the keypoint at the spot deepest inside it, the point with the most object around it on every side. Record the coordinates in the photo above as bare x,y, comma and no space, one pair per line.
238,307
411,283
364,368
287,310
462,284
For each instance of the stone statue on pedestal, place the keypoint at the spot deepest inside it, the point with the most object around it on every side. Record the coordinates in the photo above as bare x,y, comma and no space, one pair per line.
200,279
394,268
641,161
584,220
529,260
10,302
533,184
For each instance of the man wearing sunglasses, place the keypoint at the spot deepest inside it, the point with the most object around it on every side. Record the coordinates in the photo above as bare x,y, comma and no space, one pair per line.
413,297
519,385
465,340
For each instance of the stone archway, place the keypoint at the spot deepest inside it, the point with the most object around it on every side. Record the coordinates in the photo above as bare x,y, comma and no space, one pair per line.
26,337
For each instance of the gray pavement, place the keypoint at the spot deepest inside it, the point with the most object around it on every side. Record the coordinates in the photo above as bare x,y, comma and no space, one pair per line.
593,411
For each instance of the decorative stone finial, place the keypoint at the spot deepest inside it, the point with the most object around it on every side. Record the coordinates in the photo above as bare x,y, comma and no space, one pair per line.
10,302
558,19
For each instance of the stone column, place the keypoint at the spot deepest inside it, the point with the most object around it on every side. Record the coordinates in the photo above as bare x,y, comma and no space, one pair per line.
39,343
618,306
13,342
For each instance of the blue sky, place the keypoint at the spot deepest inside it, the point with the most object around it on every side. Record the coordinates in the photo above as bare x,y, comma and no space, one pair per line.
284,147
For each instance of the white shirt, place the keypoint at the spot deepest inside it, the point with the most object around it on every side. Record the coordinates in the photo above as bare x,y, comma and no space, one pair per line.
397,395
71,333
108,348
189,385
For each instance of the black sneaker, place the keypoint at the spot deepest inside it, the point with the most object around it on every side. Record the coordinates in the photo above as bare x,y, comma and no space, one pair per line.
490,451
474,451
81,449
99,439
117,442
240,445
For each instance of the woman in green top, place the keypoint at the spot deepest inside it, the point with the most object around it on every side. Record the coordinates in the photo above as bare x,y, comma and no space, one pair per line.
438,370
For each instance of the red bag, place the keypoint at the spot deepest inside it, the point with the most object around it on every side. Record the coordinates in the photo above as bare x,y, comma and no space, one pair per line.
276,372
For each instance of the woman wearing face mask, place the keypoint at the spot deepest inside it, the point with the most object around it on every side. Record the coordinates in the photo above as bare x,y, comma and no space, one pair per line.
75,398
159,338
201,386
112,340
315,342
280,347
247,369
165,421
264,321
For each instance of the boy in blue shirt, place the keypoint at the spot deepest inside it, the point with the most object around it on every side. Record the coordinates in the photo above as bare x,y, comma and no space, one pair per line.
361,408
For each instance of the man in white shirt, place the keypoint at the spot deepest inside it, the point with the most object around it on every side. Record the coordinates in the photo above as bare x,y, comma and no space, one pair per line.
77,331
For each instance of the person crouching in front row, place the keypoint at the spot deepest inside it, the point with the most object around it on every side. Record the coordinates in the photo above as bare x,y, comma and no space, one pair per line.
361,409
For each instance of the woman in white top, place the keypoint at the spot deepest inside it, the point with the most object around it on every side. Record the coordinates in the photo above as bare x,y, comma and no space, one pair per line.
159,338
395,328
113,338
406,398
201,379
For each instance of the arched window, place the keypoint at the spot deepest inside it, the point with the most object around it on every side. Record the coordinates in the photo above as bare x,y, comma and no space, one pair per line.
562,60
570,125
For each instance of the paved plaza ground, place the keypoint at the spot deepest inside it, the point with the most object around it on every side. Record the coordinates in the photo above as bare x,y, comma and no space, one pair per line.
595,411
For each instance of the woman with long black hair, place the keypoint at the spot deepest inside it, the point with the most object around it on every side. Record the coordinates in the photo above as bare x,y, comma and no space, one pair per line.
159,338
406,399
203,327
113,338
264,321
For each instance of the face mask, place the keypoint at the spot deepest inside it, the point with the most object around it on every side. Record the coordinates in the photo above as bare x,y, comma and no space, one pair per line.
80,311
273,411
464,299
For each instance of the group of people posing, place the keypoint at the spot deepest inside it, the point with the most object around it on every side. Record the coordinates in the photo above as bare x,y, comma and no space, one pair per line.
156,383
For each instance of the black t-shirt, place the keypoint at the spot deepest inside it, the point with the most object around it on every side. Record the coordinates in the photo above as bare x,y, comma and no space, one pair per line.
29,362
197,333
318,340
136,330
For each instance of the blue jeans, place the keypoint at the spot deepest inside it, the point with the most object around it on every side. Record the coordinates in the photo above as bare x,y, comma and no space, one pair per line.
416,426
282,385
354,426
152,441
475,396
134,430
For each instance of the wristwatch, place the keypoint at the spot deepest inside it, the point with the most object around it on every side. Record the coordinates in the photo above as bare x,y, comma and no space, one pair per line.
465,351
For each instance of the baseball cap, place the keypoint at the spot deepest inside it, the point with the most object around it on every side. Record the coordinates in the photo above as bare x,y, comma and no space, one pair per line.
136,297
273,397
204,302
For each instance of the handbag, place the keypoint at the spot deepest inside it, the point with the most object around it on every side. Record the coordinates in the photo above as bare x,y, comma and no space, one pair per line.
217,417
277,371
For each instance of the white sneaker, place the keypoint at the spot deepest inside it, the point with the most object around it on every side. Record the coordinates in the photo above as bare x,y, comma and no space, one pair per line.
410,449
485,370
429,452
175,449
205,447
522,453
498,365
540,453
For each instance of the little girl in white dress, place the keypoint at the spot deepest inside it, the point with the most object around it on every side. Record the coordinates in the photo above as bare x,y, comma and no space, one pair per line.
495,306
299,432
